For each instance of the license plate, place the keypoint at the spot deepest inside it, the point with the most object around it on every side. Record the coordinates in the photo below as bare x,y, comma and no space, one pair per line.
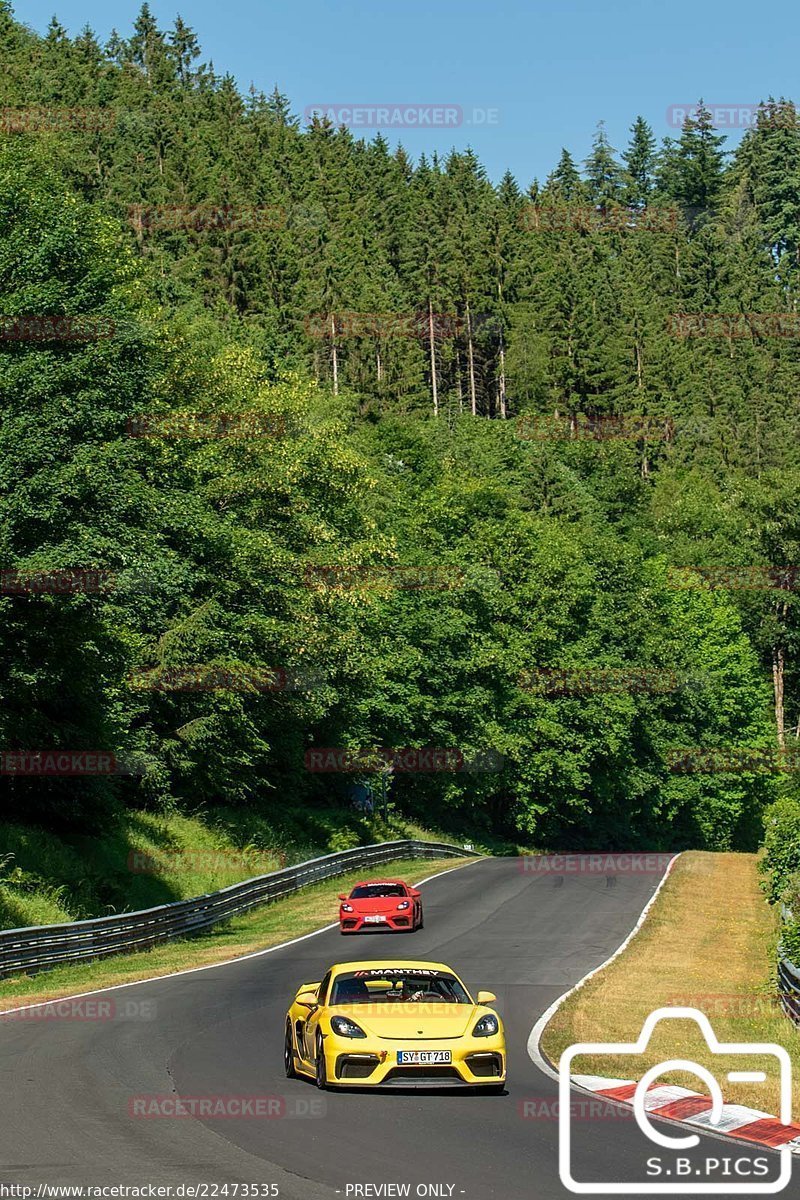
424,1056
374,920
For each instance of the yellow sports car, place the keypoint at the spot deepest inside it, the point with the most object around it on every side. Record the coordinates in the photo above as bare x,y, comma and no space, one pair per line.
394,1024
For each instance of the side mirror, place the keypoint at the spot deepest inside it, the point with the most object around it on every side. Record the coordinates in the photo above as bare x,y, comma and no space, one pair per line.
415,893
486,997
307,999
342,896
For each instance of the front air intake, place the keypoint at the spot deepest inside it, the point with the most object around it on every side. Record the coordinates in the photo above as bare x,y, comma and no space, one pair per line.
355,1066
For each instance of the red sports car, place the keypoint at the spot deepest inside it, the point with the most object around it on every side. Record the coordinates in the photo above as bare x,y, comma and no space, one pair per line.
382,904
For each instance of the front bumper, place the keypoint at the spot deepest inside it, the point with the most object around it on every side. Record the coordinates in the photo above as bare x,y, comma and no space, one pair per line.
475,1062
354,923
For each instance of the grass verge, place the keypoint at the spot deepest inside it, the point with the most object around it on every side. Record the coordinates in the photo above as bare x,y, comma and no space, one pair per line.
268,926
709,942
139,859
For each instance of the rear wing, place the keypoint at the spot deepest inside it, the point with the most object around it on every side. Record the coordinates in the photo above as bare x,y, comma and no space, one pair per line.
308,987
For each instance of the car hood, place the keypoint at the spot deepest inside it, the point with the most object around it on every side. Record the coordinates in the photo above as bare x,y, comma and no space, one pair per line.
413,1022
378,904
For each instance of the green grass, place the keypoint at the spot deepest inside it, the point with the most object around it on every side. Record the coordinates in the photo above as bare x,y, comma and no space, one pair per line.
142,859
267,926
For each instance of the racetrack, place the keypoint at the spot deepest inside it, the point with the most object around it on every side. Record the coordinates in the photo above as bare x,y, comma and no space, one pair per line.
68,1084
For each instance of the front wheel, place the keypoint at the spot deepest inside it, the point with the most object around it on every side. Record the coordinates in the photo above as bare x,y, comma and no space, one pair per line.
288,1054
321,1072
421,924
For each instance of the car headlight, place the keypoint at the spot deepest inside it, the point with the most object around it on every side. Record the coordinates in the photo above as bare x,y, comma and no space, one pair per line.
346,1028
487,1026
403,904
347,908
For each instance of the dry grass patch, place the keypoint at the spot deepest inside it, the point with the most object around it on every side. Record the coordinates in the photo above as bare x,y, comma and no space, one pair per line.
709,942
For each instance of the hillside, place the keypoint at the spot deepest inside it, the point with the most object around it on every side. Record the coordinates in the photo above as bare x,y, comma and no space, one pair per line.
340,452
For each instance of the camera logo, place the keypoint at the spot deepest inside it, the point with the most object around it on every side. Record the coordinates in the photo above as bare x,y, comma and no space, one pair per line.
713,1118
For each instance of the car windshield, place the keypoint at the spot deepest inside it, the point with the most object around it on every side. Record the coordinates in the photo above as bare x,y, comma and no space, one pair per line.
393,985
369,891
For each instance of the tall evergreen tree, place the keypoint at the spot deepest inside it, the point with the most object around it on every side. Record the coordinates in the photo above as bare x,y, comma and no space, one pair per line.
185,48
640,164
766,172
565,180
691,169
604,176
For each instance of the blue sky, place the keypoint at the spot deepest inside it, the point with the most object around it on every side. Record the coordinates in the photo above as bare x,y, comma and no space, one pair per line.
521,78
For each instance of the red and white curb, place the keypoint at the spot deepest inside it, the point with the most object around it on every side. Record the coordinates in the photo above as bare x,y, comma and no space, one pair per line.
692,1108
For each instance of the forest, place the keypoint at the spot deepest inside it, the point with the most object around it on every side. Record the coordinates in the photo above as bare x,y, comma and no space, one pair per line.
320,465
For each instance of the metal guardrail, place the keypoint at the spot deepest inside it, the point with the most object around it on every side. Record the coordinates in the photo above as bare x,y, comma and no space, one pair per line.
789,988
788,977
40,947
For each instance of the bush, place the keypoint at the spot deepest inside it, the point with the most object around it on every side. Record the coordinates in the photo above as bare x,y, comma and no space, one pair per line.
781,860
790,941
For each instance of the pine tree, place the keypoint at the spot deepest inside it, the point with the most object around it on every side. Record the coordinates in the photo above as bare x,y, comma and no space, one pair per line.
604,176
147,49
280,108
115,47
640,164
565,180
692,168
184,47
766,173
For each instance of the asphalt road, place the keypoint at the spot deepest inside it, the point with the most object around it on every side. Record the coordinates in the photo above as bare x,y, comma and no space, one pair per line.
68,1085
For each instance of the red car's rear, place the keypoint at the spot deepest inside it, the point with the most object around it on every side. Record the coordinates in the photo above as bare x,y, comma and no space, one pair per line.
381,904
